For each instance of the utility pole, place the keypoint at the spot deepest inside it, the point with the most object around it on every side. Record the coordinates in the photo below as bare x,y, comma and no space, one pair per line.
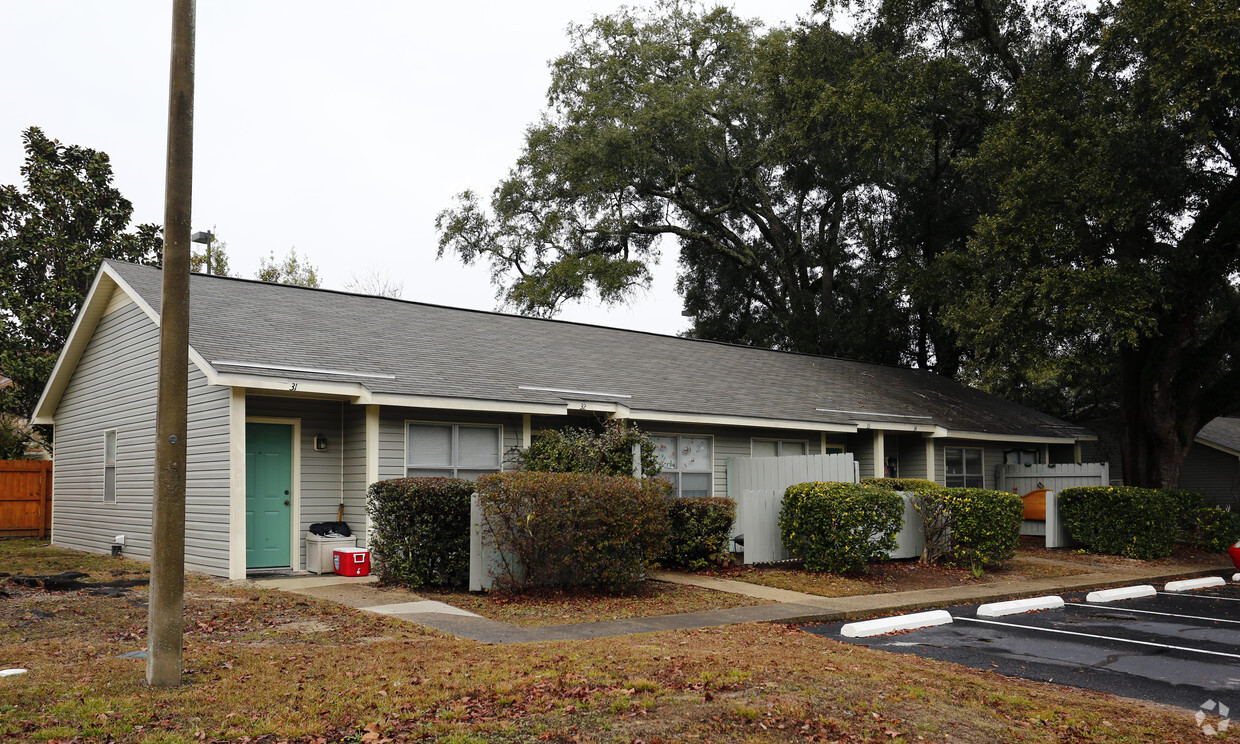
165,620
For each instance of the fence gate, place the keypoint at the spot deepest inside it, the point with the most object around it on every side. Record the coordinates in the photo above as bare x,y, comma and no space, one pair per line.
25,498
757,485
1021,479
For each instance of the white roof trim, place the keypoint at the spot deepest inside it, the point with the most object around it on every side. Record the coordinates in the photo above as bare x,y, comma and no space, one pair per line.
310,370
750,421
97,299
941,433
1212,445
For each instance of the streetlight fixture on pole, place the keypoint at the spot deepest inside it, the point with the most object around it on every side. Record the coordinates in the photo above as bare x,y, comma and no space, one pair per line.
204,236
166,613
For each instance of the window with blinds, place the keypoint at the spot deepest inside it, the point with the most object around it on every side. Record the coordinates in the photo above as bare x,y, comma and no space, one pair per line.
964,467
688,462
452,450
777,447
109,467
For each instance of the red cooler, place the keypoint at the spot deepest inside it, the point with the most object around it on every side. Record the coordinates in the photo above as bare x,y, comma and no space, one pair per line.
351,561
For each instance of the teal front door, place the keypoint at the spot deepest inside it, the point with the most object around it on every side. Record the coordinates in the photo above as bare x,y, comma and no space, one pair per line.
268,495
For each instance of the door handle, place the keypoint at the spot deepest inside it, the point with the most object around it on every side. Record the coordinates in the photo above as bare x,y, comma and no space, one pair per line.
286,493
286,502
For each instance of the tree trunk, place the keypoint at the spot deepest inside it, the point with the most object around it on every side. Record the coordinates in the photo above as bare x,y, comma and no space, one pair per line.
1154,416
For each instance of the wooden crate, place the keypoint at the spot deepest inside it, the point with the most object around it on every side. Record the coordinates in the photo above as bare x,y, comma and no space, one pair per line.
25,498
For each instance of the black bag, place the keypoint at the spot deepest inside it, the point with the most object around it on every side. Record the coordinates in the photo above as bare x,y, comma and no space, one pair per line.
324,528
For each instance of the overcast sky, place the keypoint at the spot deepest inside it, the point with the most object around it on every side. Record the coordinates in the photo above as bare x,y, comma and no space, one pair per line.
339,128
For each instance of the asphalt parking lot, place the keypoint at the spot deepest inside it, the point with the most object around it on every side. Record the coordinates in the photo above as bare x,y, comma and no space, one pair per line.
1177,648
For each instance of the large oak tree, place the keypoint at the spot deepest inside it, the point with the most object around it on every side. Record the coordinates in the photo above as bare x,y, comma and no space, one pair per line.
54,232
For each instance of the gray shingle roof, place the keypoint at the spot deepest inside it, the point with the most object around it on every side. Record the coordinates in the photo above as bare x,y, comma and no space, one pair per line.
1223,431
419,349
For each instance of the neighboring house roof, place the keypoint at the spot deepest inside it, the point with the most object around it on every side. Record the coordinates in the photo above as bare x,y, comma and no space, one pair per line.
1222,433
382,350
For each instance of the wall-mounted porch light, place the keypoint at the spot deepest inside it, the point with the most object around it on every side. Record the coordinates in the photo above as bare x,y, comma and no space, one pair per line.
320,443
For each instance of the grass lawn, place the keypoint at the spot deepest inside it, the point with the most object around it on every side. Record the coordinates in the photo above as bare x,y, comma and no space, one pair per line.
267,666
559,607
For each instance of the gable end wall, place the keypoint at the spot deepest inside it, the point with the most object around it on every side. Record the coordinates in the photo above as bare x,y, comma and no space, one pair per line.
114,387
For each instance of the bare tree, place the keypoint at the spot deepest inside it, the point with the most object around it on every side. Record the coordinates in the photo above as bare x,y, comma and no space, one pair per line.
375,282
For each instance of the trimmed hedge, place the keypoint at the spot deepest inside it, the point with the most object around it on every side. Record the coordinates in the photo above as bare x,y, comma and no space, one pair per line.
420,531
910,485
1211,529
574,529
700,530
1123,520
984,525
839,527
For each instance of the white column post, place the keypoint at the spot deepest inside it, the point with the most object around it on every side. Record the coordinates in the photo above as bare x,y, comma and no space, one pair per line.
879,454
931,463
526,433
236,483
372,456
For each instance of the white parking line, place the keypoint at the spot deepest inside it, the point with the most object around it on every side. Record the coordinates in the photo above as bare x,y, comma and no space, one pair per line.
1182,595
1099,637
1151,612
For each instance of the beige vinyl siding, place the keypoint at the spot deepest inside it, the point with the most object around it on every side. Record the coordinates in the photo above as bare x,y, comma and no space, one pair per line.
355,484
321,482
392,422
114,387
1212,473
911,450
861,445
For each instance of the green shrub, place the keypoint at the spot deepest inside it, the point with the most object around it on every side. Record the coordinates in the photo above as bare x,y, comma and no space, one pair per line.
911,485
1211,529
574,529
839,527
1186,504
1122,520
420,531
984,525
576,450
700,531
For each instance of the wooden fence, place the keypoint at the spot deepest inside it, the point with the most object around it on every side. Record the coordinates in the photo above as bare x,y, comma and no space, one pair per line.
25,498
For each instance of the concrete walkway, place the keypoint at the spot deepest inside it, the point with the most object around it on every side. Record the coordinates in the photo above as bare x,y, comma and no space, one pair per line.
785,606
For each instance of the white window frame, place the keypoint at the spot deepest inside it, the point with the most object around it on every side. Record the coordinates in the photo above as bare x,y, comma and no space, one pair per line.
109,466
676,480
779,445
455,467
964,476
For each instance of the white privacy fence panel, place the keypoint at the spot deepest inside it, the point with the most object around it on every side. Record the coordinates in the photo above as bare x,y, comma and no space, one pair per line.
1021,479
757,484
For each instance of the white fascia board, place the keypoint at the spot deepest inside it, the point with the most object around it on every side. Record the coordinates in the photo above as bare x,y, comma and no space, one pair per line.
749,421
892,426
599,406
1219,447
287,385
97,299
463,404
194,357
941,433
